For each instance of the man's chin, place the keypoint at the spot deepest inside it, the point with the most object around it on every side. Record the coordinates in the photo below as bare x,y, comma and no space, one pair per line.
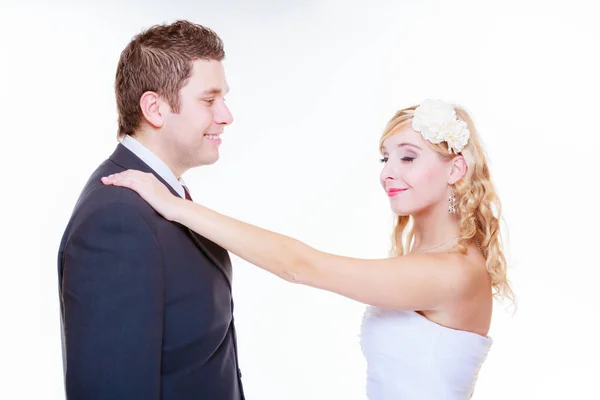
208,160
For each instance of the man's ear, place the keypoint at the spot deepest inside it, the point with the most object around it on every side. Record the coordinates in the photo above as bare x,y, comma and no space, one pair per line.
459,169
150,104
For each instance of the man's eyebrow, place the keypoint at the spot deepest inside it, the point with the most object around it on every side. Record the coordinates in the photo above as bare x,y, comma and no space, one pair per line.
212,91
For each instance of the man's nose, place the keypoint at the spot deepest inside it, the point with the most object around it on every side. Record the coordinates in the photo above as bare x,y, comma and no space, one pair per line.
223,116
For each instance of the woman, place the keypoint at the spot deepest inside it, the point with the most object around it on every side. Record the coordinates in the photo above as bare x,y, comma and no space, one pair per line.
424,333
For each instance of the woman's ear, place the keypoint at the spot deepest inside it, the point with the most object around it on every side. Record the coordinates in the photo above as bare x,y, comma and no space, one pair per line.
459,169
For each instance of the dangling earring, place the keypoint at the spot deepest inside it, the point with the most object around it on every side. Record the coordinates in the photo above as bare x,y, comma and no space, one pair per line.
452,203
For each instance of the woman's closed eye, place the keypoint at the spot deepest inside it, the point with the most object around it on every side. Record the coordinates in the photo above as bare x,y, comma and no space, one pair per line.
403,159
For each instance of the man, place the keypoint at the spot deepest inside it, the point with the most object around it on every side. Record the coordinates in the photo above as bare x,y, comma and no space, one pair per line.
146,304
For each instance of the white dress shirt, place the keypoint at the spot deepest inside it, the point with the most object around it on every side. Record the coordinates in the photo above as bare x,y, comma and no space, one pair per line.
158,165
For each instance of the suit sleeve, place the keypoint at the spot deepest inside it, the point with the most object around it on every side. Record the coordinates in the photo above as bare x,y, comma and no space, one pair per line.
113,301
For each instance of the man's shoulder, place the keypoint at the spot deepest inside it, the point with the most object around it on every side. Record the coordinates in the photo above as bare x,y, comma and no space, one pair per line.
107,211
100,200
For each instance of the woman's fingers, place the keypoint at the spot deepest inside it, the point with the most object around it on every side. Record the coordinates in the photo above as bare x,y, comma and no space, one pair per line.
128,178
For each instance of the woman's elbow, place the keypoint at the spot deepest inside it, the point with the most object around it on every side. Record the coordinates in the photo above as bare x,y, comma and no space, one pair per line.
300,267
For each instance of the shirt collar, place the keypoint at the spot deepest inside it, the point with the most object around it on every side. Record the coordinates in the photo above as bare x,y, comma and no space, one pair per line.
154,162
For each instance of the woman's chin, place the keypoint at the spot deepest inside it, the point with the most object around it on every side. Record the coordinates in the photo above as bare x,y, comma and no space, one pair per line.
401,211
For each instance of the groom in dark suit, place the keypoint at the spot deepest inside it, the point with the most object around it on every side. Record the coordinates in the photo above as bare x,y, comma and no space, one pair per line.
146,304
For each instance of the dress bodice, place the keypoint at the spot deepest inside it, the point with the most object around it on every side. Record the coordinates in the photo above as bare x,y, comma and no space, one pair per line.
410,357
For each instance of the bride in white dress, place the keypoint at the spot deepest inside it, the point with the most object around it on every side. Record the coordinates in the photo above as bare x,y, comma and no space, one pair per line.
425,330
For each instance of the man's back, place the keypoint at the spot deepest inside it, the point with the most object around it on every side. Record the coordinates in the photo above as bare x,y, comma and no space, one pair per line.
146,304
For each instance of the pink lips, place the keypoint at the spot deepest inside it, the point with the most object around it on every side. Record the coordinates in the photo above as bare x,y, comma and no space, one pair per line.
215,139
392,192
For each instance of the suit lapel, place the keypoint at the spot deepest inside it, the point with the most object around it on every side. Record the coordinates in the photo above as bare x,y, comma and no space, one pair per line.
216,253
123,157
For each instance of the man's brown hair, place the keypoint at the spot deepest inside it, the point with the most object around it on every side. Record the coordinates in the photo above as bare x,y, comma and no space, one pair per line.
160,59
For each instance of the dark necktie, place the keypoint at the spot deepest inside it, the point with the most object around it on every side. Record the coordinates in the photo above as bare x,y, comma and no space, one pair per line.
187,194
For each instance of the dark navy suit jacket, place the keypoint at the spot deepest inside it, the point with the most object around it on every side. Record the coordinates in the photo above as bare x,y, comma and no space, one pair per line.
146,304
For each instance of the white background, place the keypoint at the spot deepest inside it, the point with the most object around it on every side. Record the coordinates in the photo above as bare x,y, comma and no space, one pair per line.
313,84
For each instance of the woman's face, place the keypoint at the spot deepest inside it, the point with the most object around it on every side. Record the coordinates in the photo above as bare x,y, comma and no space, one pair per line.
415,177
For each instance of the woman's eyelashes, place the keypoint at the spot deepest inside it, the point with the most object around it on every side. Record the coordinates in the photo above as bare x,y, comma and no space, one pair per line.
403,159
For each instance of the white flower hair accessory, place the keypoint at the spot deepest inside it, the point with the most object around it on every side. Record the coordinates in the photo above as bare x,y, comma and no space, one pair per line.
437,122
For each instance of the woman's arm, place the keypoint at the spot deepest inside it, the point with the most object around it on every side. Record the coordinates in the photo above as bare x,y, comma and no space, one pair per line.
414,282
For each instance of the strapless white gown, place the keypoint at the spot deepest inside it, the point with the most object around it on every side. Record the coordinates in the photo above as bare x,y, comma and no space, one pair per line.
412,358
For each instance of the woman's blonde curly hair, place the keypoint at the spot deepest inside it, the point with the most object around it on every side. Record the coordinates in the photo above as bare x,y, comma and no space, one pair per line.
478,206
